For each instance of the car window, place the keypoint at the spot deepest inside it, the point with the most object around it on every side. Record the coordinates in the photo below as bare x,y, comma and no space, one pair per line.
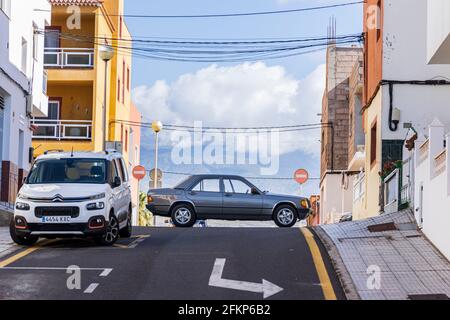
241,187
113,172
125,171
228,186
208,185
121,170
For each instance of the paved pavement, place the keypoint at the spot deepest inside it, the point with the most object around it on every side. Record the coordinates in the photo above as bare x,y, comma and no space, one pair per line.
173,263
6,244
398,264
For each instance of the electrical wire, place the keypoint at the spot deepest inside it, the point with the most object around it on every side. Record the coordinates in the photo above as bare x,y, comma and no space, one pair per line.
225,15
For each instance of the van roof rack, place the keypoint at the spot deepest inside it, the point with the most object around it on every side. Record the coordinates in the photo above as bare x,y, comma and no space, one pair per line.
53,151
109,151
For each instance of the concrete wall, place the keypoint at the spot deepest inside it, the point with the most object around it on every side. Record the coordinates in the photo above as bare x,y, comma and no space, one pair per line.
432,179
438,50
338,195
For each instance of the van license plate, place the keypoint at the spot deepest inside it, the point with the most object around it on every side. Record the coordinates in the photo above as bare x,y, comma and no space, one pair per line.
56,219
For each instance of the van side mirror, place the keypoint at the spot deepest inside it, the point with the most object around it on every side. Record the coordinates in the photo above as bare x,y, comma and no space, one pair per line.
117,182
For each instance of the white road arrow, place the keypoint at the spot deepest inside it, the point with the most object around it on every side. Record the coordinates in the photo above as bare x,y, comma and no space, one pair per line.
267,288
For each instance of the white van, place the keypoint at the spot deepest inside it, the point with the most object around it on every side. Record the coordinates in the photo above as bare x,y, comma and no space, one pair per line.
74,195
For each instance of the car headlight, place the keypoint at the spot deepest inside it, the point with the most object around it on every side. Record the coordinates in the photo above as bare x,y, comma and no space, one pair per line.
95,206
304,203
98,196
22,206
149,199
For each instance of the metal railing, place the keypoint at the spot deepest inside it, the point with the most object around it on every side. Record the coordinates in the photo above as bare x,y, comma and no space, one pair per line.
69,57
62,129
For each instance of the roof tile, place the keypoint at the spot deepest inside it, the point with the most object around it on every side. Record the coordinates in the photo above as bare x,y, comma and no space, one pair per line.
76,2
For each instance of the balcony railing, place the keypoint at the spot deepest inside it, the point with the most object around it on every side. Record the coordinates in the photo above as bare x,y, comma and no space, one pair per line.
69,57
62,129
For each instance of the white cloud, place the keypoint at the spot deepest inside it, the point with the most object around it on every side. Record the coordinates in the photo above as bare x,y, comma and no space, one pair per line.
245,95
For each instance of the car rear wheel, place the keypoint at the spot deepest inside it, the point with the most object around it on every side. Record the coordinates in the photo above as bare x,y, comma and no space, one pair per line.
285,216
128,230
112,233
23,241
183,216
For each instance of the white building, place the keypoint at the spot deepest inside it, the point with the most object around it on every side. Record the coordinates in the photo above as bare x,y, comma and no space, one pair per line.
402,87
22,86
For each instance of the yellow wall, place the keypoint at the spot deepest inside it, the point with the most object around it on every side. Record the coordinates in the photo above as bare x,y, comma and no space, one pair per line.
372,182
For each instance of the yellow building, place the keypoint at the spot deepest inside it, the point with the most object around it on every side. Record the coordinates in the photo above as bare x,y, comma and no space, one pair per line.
76,78
76,82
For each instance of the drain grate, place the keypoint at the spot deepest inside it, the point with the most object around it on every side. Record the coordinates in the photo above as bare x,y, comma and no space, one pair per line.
428,297
382,227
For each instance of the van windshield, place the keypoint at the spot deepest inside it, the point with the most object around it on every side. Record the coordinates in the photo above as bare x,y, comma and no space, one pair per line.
68,171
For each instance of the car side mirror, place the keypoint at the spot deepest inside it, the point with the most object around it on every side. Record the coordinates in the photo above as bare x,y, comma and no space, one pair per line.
254,191
117,182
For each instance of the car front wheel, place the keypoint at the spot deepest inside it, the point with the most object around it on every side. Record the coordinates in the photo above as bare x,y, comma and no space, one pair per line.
285,216
23,241
112,233
183,216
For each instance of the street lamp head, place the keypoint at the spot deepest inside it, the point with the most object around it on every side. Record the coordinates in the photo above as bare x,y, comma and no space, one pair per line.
157,126
106,52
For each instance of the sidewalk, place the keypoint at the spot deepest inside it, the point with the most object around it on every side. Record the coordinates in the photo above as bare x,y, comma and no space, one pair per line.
6,244
394,251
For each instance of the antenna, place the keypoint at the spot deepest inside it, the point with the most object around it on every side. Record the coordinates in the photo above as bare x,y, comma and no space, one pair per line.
331,32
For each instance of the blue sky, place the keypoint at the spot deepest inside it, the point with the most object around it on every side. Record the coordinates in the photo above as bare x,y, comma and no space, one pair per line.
160,85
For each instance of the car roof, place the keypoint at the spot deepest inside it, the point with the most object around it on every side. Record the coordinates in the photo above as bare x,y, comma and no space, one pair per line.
83,155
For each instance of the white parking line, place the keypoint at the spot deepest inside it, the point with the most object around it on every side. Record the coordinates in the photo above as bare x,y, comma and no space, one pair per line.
105,272
91,288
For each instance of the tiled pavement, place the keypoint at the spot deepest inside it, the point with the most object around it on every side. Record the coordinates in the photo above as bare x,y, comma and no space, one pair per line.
6,244
405,261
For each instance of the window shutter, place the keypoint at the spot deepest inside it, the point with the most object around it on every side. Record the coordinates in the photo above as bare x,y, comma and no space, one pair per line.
2,102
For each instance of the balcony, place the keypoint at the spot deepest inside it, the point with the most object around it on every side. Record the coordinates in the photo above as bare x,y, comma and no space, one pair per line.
68,58
62,129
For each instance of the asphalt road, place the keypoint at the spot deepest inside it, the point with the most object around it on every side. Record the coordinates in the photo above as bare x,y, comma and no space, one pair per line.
172,264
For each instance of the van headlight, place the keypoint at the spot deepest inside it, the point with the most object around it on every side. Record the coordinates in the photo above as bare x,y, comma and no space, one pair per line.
95,206
22,206
98,196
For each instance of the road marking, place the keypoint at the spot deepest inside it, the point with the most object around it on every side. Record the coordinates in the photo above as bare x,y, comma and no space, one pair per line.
105,272
267,288
22,254
325,282
91,288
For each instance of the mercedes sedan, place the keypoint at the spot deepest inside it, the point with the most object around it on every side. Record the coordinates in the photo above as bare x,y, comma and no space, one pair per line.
225,197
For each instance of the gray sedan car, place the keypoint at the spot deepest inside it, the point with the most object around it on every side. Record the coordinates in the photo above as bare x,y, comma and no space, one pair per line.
225,197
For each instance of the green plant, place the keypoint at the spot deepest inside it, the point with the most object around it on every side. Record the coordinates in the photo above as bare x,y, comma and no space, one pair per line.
145,216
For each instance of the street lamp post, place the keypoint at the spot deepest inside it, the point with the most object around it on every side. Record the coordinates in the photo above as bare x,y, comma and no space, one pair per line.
106,54
157,127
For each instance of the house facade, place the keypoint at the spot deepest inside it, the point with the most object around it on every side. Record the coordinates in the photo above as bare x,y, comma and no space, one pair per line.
338,138
402,93
22,87
78,79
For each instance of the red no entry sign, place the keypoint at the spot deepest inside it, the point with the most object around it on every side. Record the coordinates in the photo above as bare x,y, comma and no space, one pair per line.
301,176
139,172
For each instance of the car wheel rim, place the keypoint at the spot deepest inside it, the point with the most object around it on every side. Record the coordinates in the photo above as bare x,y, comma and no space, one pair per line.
112,230
183,215
285,216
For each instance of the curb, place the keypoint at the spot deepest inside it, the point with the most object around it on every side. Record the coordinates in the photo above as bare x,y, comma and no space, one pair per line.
344,276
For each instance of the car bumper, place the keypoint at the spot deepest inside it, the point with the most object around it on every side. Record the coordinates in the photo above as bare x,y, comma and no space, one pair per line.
158,210
79,223
304,213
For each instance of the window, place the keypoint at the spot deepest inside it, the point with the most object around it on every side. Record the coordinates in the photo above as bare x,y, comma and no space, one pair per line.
241,187
35,42
120,27
121,169
373,143
207,185
124,168
113,172
378,20
123,84
5,6
126,140
118,90
128,79
24,55
228,186
68,171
